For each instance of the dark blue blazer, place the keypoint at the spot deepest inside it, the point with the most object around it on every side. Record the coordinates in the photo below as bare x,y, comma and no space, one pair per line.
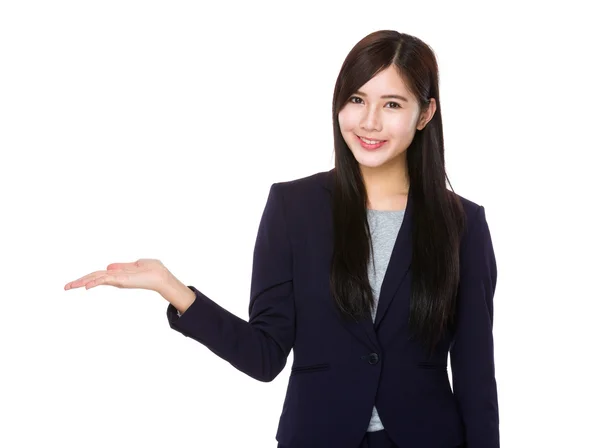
341,369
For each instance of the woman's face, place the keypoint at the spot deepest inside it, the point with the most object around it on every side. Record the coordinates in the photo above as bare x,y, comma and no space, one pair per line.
384,110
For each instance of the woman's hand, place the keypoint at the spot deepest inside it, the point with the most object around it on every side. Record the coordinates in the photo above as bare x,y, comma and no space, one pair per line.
142,274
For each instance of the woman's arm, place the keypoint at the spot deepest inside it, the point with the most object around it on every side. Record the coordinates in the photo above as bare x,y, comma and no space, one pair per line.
258,347
472,352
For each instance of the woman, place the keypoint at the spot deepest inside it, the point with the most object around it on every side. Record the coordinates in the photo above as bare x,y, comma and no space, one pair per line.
372,272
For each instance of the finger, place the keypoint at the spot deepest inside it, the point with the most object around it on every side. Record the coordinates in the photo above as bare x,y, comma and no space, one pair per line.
83,280
109,280
104,280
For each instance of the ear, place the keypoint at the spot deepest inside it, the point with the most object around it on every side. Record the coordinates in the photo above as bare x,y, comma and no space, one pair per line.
427,114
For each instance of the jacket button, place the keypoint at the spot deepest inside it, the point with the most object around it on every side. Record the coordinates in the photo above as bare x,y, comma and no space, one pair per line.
373,358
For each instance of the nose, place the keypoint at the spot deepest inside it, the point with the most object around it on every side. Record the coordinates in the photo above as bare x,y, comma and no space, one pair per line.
370,121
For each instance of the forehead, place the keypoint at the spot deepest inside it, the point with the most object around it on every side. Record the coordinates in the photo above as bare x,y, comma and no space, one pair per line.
386,82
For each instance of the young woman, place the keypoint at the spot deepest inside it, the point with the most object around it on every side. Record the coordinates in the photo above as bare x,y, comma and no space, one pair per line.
372,272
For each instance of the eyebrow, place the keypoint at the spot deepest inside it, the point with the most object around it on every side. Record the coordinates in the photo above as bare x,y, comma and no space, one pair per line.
398,97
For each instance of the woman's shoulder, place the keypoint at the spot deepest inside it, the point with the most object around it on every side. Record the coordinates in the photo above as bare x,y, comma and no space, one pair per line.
321,178
475,225
312,185
470,207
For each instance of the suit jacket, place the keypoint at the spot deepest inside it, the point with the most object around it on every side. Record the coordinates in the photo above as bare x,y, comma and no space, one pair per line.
342,369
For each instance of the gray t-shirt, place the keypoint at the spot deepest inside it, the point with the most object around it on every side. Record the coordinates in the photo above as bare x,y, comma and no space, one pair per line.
384,226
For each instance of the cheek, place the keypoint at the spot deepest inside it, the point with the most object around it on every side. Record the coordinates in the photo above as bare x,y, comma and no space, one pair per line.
346,121
401,128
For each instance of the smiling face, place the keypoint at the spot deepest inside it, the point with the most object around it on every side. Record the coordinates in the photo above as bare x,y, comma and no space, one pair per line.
384,110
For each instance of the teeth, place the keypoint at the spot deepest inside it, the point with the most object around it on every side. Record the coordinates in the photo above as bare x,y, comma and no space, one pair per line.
370,142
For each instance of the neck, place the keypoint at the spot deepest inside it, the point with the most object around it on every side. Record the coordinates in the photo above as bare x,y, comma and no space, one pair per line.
387,186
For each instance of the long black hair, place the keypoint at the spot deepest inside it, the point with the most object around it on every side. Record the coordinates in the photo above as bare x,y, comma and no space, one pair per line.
438,218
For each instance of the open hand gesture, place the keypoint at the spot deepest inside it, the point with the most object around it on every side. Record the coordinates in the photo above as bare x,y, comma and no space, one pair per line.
142,274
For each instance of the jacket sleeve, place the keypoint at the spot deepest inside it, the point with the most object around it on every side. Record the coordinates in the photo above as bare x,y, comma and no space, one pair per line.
260,346
472,350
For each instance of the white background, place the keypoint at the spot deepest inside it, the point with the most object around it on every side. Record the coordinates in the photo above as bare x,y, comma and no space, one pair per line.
155,129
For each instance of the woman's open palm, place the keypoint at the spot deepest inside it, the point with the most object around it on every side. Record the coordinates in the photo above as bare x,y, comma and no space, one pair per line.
145,273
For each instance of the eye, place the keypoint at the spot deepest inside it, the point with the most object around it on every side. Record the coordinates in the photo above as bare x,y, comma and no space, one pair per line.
352,98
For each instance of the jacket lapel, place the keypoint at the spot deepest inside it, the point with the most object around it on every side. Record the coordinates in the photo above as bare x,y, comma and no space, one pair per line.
398,267
399,263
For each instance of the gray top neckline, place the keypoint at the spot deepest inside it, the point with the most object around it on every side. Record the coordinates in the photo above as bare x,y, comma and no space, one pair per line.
370,210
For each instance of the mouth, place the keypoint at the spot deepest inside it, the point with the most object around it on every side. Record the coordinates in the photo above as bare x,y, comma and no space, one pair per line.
369,143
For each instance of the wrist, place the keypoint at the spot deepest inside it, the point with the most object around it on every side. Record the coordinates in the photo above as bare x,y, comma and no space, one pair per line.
178,294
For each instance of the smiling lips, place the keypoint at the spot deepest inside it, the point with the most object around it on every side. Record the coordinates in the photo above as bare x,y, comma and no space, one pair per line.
371,144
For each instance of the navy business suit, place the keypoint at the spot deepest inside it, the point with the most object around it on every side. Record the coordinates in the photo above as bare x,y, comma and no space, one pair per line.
342,369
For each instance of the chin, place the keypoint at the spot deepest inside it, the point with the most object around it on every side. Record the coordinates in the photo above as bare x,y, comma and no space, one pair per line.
371,163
